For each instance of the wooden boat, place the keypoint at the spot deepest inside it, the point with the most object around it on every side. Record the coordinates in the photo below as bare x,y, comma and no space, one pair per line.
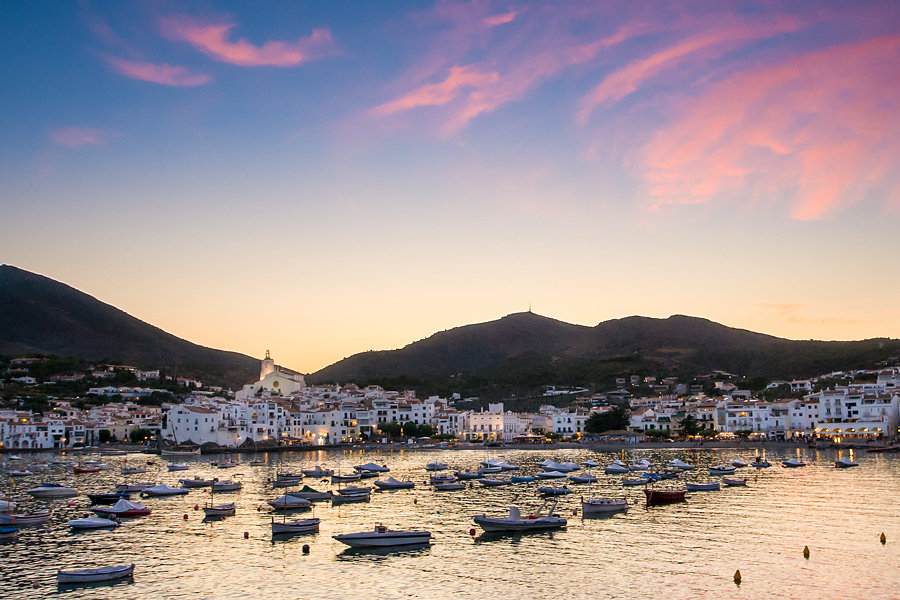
350,498
227,486
384,537
734,482
288,502
491,482
347,477
593,506
95,575
85,469
354,490
318,472
25,520
219,510
657,497
448,487
196,482
712,486
442,478
721,470
295,527
132,470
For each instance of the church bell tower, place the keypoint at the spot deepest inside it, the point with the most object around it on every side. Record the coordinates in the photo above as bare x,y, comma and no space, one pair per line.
268,366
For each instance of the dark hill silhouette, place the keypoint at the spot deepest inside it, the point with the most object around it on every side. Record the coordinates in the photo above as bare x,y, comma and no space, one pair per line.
40,315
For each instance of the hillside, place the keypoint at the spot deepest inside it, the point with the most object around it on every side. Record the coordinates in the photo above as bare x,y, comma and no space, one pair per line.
40,315
523,350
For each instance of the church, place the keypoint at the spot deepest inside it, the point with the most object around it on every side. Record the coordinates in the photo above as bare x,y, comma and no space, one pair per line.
273,380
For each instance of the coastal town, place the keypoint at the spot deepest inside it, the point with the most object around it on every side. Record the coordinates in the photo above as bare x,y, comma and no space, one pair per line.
281,410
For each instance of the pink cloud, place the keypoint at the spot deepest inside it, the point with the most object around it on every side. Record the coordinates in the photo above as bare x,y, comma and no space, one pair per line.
164,74
76,137
818,132
437,94
213,40
501,19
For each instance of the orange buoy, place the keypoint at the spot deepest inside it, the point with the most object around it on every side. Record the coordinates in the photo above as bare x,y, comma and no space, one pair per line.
472,531
737,577
196,507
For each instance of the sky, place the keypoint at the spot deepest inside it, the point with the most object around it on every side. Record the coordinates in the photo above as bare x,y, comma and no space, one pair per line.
324,178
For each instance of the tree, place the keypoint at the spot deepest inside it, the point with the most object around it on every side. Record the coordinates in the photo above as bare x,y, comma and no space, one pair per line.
105,436
615,418
410,429
425,431
138,435
689,426
392,429
656,433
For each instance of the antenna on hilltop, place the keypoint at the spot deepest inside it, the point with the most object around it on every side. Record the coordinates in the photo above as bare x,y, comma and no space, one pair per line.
529,307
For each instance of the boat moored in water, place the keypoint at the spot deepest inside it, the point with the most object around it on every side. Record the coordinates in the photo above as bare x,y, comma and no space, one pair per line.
515,522
95,575
593,506
53,490
383,537
658,497
295,527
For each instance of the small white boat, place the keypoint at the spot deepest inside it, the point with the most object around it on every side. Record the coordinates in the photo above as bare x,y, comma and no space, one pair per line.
372,467
349,498
20,473
593,506
583,478
95,575
435,466
442,478
554,491
642,465
383,537
489,470
134,487
177,467
844,462
551,475
295,527
354,490
196,482
680,464
711,486
288,502
734,482
93,523
616,467
740,464
347,477
448,487
793,463
219,510
122,508
393,484
227,486
25,520
163,490
721,470
515,522
760,463
591,463
565,467
318,472
52,490
132,470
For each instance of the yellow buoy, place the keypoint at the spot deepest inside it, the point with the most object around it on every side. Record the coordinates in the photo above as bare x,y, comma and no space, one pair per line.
805,551
883,538
737,576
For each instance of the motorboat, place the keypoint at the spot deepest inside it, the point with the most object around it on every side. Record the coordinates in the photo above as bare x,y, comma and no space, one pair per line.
740,464
350,498
288,502
466,475
369,474
53,490
136,487
308,493
383,537
81,469
219,510
680,464
226,464
122,508
593,506
22,473
760,463
712,486
318,472
7,505
642,465
494,482
583,478
256,462
283,482
295,527
196,482
110,498
95,575
844,462
522,478
131,470
566,467
348,477
93,523
590,463
448,487
354,490
442,478
551,475
435,466
163,490
616,467
554,491
372,467
734,482
26,519
657,497
177,467
721,470
227,486
393,484
495,462
793,463
180,452
489,470
515,522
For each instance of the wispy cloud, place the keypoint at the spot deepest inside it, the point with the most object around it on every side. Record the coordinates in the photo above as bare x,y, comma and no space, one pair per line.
76,137
793,312
501,19
436,94
163,74
213,39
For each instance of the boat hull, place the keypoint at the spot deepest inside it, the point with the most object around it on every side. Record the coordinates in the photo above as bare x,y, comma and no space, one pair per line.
383,540
95,575
605,507
295,527
659,497
497,525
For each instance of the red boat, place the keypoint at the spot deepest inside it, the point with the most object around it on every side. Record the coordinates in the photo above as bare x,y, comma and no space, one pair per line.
656,497
85,469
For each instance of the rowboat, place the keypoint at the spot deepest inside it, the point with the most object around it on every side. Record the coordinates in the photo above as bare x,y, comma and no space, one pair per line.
131,470
134,487
227,486
656,497
382,537
219,510
435,466
712,486
393,484
515,522
25,520
734,482
354,491
196,482
295,527
94,575
122,508
53,490
93,523
85,469
347,477
721,470
448,487
491,482
177,467
593,506
349,498
442,478
552,475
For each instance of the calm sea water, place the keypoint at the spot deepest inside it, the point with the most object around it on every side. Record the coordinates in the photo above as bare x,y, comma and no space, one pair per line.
687,550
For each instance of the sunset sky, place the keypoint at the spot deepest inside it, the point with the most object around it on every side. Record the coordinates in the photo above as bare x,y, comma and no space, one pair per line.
320,179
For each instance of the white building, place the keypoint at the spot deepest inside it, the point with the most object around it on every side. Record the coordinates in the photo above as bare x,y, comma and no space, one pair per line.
273,380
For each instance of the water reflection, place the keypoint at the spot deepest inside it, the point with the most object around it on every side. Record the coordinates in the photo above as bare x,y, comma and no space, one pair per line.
380,554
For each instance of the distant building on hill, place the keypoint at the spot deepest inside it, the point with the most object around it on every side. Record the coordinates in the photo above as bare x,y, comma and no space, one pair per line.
273,379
